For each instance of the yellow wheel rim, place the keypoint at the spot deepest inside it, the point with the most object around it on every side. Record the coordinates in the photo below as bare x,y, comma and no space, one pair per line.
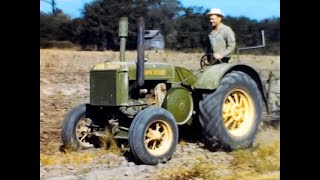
83,131
238,112
158,138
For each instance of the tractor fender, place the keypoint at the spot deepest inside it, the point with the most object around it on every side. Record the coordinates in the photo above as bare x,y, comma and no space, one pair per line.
210,78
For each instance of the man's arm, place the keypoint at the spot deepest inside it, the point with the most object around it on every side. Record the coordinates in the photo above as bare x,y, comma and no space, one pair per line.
230,41
208,46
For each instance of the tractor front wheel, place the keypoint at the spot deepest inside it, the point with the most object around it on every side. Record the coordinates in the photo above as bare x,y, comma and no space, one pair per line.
153,135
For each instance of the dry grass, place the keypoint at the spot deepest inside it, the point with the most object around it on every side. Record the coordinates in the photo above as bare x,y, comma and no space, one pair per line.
200,168
255,162
84,60
69,158
261,159
261,162
107,144
78,157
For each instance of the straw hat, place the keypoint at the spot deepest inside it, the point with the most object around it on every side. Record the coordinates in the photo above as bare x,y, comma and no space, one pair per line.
215,11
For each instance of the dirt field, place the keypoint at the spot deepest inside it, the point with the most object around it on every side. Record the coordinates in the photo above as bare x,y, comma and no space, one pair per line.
64,84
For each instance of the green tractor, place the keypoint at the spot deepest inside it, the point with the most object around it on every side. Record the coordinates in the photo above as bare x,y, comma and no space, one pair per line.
144,103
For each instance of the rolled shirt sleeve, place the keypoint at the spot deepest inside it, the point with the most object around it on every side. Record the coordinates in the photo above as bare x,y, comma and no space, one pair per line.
230,42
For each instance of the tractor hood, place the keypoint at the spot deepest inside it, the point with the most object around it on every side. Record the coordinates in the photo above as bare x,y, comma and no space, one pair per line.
152,71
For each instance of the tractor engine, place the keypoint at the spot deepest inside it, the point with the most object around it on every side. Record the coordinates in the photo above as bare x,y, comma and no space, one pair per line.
114,84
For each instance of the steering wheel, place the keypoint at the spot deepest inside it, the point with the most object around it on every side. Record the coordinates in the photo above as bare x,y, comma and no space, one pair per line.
208,59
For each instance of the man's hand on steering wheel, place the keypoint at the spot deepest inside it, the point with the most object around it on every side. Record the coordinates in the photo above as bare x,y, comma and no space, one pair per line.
217,56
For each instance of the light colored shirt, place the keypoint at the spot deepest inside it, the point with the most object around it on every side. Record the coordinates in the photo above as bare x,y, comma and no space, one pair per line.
223,41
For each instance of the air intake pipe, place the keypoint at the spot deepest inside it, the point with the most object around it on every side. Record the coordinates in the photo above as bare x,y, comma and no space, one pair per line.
123,33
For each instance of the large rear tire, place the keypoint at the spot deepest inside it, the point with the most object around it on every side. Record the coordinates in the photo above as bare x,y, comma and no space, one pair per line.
76,129
230,116
153,135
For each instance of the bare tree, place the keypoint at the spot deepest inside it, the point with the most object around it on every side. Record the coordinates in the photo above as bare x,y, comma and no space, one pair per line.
53,5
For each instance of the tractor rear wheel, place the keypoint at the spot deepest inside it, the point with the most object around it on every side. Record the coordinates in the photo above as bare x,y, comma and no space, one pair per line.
76,129
230,116
153,135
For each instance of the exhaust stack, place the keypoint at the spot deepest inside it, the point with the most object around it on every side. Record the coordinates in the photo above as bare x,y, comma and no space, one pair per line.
140,51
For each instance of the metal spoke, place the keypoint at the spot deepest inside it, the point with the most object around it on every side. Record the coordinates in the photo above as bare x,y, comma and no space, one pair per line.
157,127
81,123
88,122
242,99
150,134
226,115
147,141
229,122
236,97
226,107
245,102
154,145
231,100
243,114
82,138
234,125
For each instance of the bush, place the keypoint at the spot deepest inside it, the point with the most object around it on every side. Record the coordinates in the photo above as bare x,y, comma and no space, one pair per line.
192,50
89,47
56,44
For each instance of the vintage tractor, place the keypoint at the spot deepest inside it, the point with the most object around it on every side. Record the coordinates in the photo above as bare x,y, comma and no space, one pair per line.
144,103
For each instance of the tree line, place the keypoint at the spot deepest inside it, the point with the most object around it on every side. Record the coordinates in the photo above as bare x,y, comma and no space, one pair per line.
184,28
